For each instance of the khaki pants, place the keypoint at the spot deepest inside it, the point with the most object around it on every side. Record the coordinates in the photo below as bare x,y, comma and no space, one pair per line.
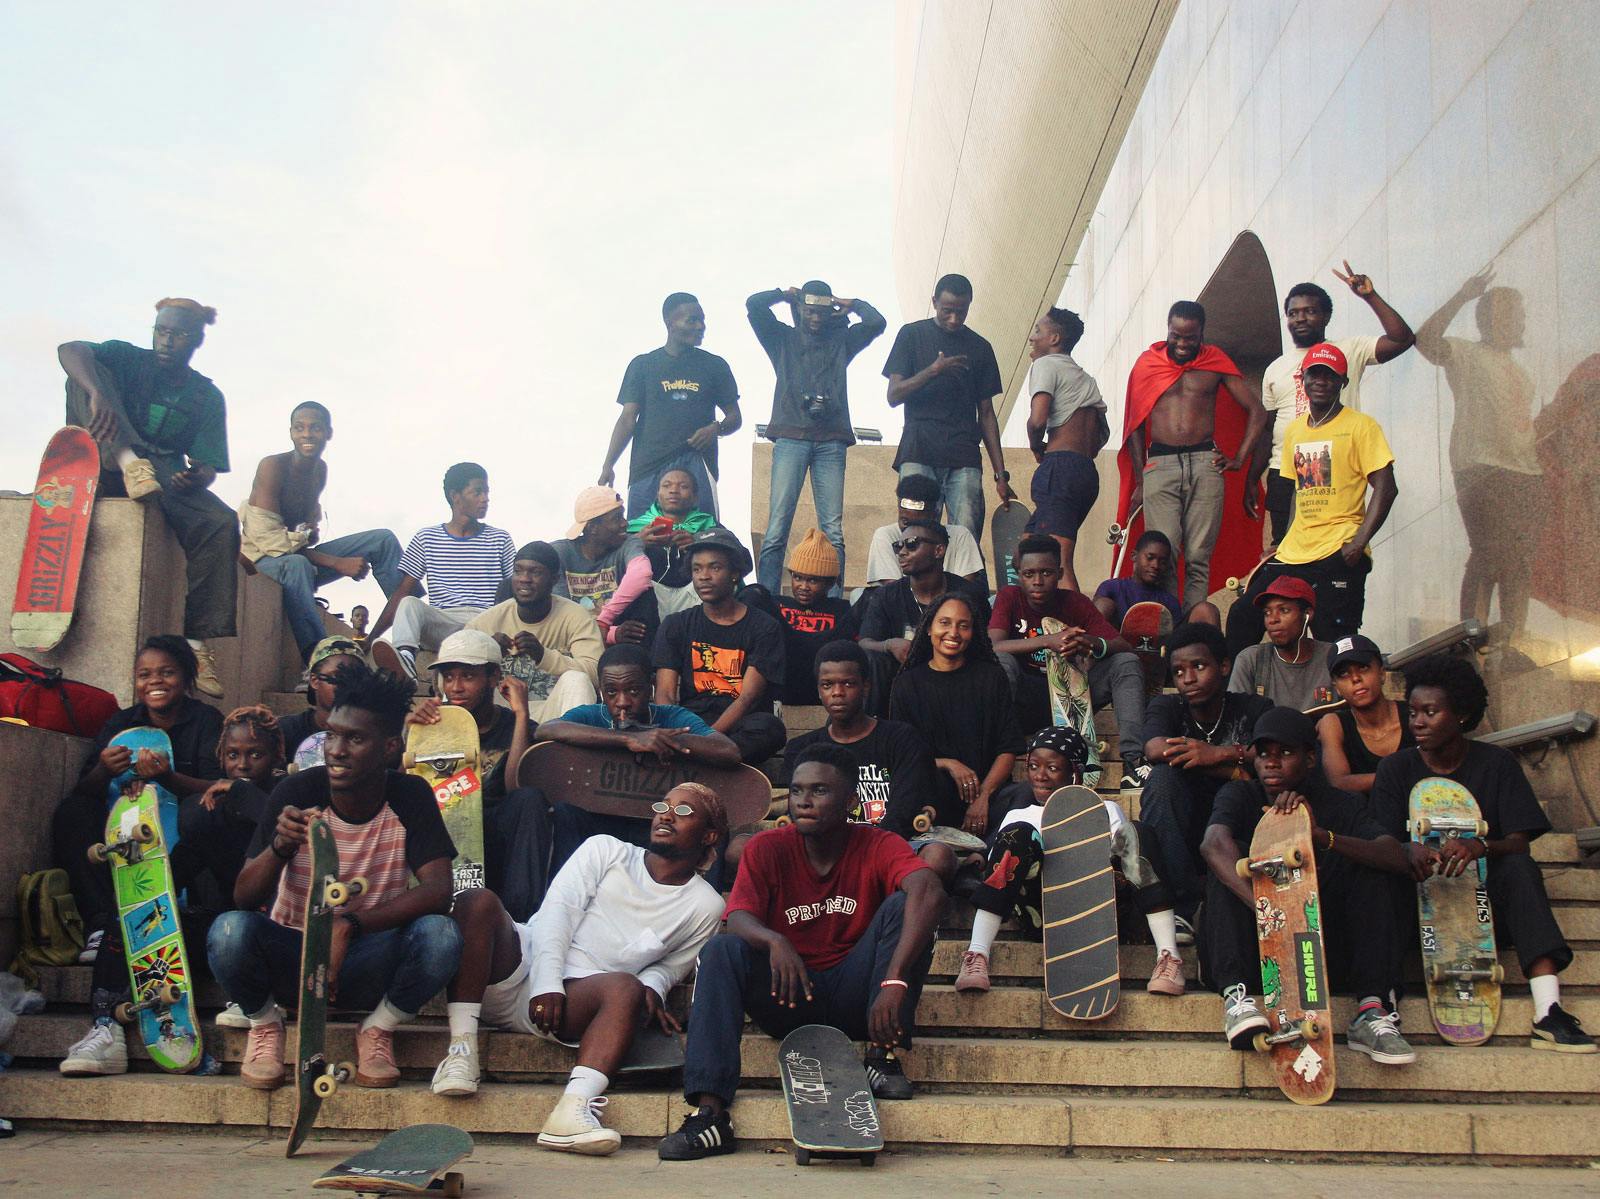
1183,499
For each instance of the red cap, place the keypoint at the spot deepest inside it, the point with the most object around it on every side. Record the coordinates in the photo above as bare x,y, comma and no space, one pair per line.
1289,586
1325,353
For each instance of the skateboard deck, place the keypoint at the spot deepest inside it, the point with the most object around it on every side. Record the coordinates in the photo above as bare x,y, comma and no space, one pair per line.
1082,974
143,737
147,912
445,756
314,1077
1459,964
1006,528
309,752
58,528
1294,975
652,1050
1069,699
613,782
1145,626
831,1109
411,1161
1117,537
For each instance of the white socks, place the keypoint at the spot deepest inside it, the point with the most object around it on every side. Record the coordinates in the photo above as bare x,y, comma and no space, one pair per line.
126,455
984,927
1546,994
385,1016
586,1083
464,1021
267,1015
1163,931
197,646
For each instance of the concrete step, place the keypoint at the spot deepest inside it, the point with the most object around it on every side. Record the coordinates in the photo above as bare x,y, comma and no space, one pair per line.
1093,1124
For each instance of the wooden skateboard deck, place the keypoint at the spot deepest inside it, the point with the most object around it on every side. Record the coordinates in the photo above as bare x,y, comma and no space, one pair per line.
1069,699
1460,967
1117,536
1145,626
309,752
652,1050
1006,528
143,737
314,1077
147,912
616,783
411,1161
831,1109
445,756
1082,974
1294,974
58,528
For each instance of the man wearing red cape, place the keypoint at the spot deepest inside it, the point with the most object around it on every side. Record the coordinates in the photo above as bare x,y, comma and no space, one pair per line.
1184,450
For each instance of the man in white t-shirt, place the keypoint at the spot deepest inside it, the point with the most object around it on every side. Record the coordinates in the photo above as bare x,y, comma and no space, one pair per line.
919,497
1307,309
619,927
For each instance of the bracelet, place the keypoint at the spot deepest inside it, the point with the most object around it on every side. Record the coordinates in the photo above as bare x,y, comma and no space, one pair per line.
1101,652
894,982
354,920
1330,839
1002,476
282,857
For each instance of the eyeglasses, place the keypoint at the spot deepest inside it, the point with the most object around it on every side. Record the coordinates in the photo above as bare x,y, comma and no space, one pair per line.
318,677
909,545
661,807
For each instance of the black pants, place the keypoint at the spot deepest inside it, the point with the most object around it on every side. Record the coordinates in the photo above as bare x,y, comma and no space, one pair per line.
1521,906
516,850
759,736
1174,809
1341,598
1280,504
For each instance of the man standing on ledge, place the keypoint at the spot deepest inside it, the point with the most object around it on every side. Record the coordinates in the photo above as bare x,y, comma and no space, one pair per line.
947,377
1170,462
162,429
670,398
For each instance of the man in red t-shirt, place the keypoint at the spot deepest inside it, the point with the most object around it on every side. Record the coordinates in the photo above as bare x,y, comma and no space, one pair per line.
1115,676
829,922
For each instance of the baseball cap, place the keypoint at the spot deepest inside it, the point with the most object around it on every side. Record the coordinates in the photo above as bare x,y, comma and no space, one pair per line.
719,536
1325,353
1286,726
1288,587
1353,649
816,294
591,502
332,647
468,647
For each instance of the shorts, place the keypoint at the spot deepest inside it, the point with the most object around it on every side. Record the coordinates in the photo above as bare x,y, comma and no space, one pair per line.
1064,488
505,1003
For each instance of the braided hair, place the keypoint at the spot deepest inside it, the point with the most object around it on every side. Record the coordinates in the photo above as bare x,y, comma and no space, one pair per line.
263,726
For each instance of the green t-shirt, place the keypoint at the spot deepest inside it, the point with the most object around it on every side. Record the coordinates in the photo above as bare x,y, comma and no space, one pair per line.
174,417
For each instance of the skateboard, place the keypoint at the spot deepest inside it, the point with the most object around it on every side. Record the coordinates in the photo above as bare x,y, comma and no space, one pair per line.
1459,964
1145,626
652,1050
1239,586
1117,536
143,737
314,1077
147,912
1006,528
1294,976
1082,977
1069,699
58,528
412,1161
614,782
445,756
831,1109
310,752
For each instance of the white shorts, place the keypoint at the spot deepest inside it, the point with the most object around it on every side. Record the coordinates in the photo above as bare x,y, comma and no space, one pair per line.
505,1003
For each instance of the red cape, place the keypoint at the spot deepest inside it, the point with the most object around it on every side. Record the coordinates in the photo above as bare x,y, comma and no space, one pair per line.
1238,547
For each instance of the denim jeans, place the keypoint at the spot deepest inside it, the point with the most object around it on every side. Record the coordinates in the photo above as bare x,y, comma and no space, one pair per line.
962,489
300,577
642,491
256,959
791,458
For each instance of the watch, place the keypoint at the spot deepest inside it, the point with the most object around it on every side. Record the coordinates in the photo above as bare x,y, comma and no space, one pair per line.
1002,476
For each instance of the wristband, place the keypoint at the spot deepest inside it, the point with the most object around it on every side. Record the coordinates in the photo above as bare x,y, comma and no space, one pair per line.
353,920
1101,652
894,982
1002,476
282,857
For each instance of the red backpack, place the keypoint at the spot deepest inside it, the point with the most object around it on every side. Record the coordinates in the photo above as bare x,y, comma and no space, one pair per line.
41,697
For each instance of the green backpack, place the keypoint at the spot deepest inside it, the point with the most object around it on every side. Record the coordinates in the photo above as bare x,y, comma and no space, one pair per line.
51,929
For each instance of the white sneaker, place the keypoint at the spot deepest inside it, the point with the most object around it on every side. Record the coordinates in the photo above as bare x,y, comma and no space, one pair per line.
574,1127
233,1016
103,1051
91,947
458,1073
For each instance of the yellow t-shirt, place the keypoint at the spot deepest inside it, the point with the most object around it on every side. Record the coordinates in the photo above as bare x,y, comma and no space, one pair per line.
1329,466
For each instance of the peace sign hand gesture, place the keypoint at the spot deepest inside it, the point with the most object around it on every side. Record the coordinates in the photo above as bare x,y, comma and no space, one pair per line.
1357,282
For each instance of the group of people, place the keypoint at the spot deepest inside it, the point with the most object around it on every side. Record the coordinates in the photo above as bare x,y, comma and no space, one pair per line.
640,631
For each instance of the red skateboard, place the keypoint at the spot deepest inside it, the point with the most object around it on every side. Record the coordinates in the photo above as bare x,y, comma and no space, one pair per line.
58,526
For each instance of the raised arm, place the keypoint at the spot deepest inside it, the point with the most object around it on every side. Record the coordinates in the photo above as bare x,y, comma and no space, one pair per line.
1397,336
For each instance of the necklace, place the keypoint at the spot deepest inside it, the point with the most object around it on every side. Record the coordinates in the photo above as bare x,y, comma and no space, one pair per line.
1312,423
1205,733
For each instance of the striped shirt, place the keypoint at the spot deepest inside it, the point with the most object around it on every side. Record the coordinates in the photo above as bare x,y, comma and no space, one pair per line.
462,572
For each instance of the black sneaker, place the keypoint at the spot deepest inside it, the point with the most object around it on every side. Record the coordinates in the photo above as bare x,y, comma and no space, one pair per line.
1560,1031
702,1135
888,1080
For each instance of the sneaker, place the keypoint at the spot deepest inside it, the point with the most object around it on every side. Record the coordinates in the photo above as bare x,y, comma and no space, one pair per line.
232,1016
91,947
886,1075
375,1066
1135,773
574,1127
458,1073
1167,977
103,1051
701,1135
262,1067
974,974
139,479
1185,930
1374,1032
206,681
1241,1019
1560,1030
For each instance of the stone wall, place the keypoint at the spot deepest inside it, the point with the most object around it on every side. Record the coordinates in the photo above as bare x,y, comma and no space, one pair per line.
37,767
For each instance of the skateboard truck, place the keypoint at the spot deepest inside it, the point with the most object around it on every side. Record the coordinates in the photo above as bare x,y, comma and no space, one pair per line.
1495,973
329,1075
441,763
1275,868
1304,1030
157,999
128,848
335,894
1448,827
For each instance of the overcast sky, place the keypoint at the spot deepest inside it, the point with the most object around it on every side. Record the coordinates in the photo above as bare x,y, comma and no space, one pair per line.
453,224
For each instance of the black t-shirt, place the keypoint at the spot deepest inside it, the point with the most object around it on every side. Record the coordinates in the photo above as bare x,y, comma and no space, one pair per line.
941,426
1493,775
711,658
1361,759
676,396
1239,805
175,413
194,737
966,714
409,797
1169,716
891,610
492,747
805,631
895,774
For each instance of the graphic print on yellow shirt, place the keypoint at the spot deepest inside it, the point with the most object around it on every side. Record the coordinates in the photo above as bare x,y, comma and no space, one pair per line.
1330,465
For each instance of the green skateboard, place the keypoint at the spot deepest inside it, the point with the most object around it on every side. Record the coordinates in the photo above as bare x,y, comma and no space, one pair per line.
445,756
408,1162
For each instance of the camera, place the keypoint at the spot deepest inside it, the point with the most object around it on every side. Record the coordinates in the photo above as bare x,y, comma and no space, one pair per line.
815,405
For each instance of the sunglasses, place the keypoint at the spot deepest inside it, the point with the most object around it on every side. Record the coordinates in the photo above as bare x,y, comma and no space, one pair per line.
909,545
661,807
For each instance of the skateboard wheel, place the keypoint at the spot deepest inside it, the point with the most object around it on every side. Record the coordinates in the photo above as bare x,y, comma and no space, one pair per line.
802,1157
1483,828
1421,826
920,822
357,885
99,852
1436,972
1497,973
124,1013
343,1071
454,1184
868,1159
1233,583
1310,1029
781,821
408,759
324,1086
168,994
1242,869
1293,857
335,894
143,833
1260,1042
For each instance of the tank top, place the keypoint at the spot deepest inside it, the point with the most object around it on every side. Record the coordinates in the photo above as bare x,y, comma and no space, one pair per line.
1362,760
